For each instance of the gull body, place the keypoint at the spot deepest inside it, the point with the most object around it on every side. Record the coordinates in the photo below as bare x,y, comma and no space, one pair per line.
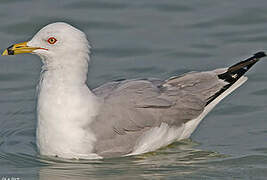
119,118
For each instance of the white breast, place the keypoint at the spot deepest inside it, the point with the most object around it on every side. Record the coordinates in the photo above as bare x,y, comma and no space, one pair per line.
64,114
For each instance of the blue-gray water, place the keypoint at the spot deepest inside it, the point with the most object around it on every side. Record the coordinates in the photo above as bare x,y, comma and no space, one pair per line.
131,39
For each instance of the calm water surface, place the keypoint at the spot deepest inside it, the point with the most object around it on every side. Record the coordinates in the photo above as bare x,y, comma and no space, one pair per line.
133,39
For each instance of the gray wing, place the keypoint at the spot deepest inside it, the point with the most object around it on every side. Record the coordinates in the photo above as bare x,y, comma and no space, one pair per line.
132,107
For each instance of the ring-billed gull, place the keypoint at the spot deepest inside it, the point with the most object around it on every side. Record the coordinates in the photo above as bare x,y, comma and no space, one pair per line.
119,118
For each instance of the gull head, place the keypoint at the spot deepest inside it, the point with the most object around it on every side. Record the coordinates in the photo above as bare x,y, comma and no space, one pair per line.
57,44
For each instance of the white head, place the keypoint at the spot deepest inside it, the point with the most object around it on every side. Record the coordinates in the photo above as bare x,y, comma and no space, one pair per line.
58,44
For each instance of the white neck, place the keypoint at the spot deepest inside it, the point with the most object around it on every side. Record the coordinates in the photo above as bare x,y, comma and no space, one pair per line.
70,68
65,107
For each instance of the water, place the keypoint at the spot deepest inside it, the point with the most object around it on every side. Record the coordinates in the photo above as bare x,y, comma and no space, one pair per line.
133,39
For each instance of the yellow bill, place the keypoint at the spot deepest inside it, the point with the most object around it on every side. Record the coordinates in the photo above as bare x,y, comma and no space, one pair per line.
19,49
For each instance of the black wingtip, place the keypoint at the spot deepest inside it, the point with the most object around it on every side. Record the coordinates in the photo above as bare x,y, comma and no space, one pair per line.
235,72
259,55
239,69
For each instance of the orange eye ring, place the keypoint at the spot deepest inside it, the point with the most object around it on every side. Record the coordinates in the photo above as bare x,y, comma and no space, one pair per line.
52,40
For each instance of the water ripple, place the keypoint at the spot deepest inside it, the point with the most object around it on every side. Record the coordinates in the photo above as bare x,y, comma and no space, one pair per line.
96,5
237,109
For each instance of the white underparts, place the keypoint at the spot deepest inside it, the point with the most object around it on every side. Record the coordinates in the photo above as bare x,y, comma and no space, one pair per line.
157,137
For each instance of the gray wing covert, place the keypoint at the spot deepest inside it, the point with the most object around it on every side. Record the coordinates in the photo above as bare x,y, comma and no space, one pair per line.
120,123
132,107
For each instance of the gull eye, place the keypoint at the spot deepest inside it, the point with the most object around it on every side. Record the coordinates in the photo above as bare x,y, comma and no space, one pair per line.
52,40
